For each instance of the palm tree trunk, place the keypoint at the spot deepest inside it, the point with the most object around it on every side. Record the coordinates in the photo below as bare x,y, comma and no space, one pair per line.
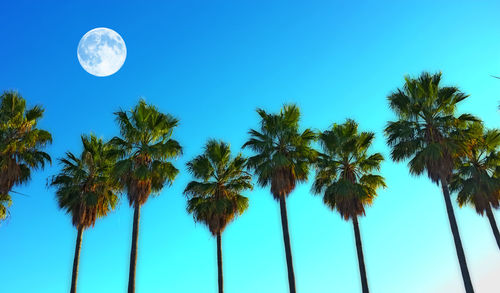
219,262
76,260
361,258
133,250
493,224
286,239
456,238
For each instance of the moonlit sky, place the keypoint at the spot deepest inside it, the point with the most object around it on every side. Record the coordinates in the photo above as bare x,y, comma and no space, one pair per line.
101,51
211,64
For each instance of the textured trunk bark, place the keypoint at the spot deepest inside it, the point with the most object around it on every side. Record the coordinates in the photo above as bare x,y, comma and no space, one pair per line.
288,250
361,258
219,263
76,260
133,250
456,238
493,224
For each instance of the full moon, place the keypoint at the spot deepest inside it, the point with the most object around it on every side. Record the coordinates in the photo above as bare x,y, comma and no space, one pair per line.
101,51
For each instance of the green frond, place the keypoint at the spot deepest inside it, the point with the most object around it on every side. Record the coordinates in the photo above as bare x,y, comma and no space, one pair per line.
161,173
5,203
201,168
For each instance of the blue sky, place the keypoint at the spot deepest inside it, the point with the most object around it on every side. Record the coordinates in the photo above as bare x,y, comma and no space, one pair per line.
211,64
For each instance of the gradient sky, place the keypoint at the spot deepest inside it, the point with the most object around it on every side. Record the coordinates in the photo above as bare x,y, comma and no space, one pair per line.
211,64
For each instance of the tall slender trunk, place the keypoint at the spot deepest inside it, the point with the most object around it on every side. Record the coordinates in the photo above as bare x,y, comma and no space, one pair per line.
493,224
133,250
286,239
76,260
219,262
456,238
361,258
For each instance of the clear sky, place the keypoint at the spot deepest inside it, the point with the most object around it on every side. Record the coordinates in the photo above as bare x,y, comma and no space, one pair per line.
211,64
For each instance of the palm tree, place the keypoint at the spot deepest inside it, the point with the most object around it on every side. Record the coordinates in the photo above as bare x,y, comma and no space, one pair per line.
344,177
21,144
474,178
424,133
144,168
215,200
85,189
283,158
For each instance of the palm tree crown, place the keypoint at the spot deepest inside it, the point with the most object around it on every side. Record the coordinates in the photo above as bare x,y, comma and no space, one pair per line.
283,153
85,189
424,130
474,178
344,170
146,146
21,144
216,198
